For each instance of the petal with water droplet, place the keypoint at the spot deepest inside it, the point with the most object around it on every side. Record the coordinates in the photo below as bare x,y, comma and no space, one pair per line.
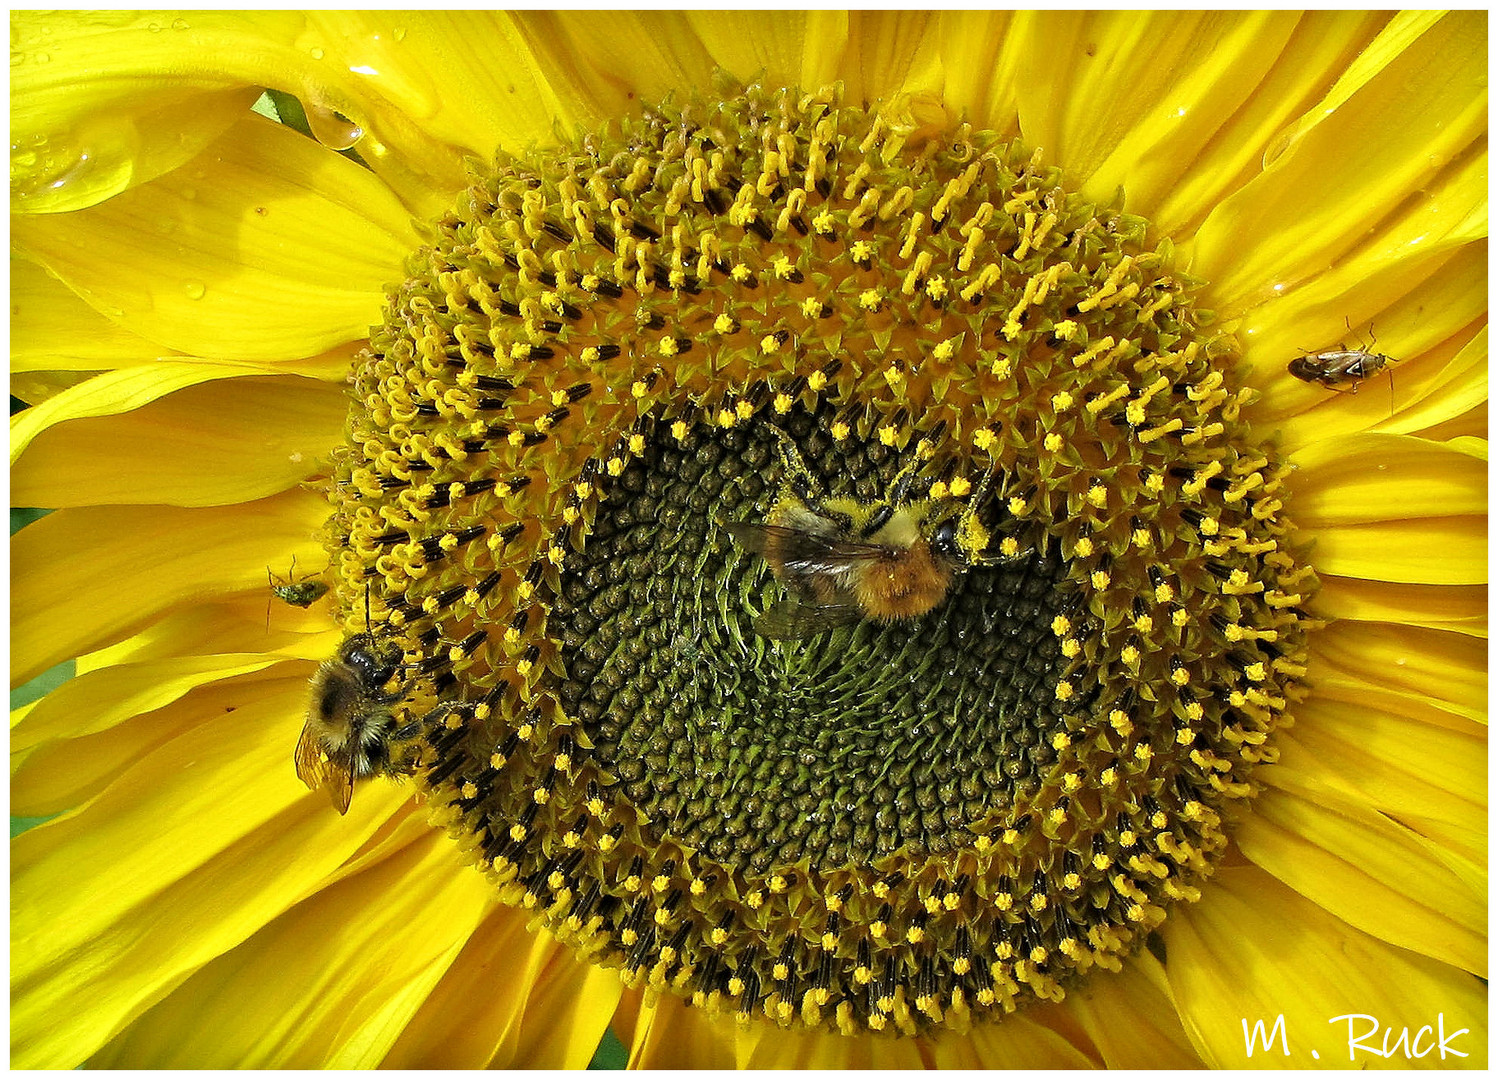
1416,92
292,282
114,105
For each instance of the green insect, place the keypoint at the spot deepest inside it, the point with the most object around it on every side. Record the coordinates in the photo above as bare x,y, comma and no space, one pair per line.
300,594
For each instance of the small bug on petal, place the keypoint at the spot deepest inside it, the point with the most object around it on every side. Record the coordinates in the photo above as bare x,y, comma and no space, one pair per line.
300,594
1343,369
1338,367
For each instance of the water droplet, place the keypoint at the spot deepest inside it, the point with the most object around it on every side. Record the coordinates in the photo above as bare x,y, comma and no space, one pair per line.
317,54
400,33
154,27
194,290
1284,141
179,24
331,128
17,57
42,58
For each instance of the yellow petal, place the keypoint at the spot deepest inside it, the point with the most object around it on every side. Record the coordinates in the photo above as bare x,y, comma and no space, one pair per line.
1018,1041
1254,950
209,444
1459,386
124,98
1394,508
891,52
610,62
1423,666
512,998
1123,97
566,1012
980,67
1301,60
238,623
1366,869
791,48
56,775
1356,479
1419,87
1158,112
1407,766
110,905
1438,551
670,1035
329,983
119,392
627,1015
142,561
1131,1019
52,330
98,700
774,1048
427,87
267,245
1459,608
97,106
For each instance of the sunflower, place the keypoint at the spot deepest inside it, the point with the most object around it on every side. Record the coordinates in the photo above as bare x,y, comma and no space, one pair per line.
822,559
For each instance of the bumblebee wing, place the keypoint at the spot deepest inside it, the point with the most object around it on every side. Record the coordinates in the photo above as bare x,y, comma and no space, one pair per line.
308,759
317,771
340,788
801,551
789,619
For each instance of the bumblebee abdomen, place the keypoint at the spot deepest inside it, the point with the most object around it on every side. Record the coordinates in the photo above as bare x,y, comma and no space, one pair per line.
906,585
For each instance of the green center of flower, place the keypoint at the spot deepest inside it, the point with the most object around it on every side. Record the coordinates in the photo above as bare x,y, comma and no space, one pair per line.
840,746
832,578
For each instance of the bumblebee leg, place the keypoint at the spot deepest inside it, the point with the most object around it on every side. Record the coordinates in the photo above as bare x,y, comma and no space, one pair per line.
799,480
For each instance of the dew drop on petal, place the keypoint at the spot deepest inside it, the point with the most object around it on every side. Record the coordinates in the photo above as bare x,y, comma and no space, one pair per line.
179,24
332,128
194,290
317,54
1283,142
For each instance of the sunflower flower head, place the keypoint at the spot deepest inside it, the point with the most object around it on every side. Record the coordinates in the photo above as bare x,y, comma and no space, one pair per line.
617,351
835,553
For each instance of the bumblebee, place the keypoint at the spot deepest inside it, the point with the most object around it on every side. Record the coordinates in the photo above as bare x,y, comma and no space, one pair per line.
841,560
351,726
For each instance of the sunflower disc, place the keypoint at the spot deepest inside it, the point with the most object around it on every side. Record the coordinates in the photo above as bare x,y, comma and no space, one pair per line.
884,825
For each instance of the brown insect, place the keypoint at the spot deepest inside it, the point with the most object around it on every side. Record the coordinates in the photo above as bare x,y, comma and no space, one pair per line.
1343,369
